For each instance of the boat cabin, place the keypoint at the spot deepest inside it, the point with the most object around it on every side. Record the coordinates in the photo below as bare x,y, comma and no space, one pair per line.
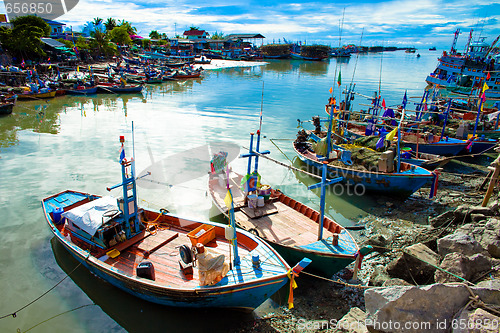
98,222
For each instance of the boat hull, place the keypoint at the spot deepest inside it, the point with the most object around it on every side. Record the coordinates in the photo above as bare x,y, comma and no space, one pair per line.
247,298
49,94
88,91
443,148
396,184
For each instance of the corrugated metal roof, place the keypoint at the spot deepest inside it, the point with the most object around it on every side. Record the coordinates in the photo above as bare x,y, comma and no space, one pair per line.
245,36
52,42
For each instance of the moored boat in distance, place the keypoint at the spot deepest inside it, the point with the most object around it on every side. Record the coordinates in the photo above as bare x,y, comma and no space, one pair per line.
131,248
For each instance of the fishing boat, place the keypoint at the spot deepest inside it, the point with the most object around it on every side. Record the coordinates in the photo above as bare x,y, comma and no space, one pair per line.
82,90
182,74
286,224
466,73
119,89
161,257
7,104
43,94
387,180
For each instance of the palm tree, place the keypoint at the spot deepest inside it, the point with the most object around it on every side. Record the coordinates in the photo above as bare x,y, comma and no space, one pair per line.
110,24
194,28
97,21
129,27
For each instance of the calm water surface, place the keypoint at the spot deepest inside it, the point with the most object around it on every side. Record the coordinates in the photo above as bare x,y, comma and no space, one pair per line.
72,143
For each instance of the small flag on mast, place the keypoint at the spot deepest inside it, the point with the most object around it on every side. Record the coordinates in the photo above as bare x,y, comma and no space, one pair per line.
339,80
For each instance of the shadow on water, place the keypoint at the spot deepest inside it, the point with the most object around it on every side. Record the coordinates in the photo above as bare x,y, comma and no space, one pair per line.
136,315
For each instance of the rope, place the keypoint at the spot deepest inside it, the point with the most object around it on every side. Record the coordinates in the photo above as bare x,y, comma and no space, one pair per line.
60,314
338,281
280,150
14,314
285,165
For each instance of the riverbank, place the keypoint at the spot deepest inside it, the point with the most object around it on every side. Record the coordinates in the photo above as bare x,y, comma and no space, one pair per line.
392,227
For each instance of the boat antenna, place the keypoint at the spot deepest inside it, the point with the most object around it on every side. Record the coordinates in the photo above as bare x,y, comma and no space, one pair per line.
357,56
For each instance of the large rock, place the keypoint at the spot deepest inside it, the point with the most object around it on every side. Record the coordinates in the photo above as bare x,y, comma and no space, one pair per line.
420,309
486,233
463,212
378,276
443,219
415,265
352,322
463,266
459,242
477,320
395,282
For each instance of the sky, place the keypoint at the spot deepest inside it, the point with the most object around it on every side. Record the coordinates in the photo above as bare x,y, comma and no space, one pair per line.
418,23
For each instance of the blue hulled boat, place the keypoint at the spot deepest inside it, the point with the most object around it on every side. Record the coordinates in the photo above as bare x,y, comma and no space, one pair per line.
404,182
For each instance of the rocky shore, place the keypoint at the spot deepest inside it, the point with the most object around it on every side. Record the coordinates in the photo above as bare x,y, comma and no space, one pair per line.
435,268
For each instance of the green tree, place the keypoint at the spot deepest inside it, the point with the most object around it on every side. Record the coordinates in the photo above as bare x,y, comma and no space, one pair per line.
120,35
24,38
154,34
110,24
97,21
193,28
130,29
218,35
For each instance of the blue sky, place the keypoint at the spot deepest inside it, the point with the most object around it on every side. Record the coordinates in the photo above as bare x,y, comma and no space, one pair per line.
419,23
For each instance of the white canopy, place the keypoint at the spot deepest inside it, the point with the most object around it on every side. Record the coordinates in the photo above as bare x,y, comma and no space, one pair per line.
89,217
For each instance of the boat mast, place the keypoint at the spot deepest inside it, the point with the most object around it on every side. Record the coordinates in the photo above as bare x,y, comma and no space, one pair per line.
324,182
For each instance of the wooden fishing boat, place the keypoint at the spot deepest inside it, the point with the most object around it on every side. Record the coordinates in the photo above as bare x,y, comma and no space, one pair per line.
285,223
403,183
82,90
132,248
427,143
7,104
289,226
118,89
39,95
186,75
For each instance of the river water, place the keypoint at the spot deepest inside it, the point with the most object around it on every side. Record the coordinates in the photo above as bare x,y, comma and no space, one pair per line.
73,143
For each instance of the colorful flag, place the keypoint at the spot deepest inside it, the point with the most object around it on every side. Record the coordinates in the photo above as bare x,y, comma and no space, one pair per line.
488,76
23,63
380,142
392,134
383,103
228,200
405,100
339,80
331,90
485,87
122,153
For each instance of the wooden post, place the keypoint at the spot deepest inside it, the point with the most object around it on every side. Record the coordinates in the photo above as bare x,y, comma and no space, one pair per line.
493,181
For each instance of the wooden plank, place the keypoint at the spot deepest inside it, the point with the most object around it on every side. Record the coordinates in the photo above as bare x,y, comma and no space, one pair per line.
155,239
253,213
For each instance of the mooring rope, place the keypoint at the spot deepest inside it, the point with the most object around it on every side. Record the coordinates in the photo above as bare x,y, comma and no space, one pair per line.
14,314
285,165
60,314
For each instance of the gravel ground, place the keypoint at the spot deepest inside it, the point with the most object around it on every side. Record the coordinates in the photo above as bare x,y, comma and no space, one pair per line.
401,222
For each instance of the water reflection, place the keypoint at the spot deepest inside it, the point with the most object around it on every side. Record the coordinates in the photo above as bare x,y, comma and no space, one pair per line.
42,116
301,66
